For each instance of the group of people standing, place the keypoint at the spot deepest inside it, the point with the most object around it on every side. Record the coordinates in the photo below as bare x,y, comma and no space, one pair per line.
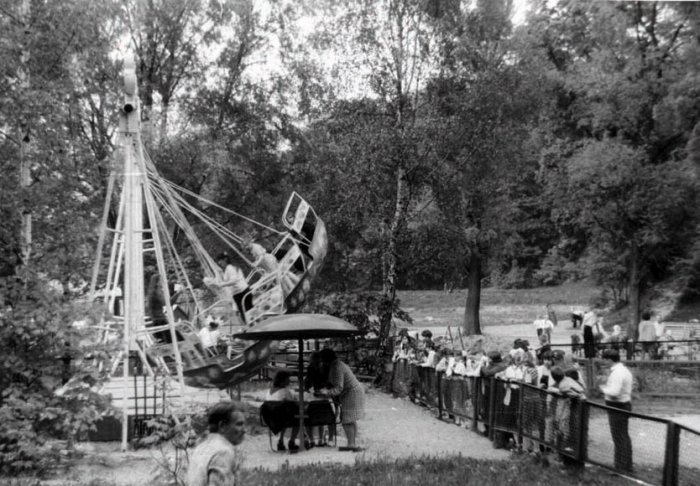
328,378
214,461
553,420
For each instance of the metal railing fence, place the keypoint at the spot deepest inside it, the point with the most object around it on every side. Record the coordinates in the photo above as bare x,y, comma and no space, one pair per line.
659,451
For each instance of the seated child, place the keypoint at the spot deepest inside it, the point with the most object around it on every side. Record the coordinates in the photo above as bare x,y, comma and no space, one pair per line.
279,391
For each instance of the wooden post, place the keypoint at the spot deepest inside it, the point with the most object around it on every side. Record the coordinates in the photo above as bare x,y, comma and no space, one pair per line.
670,472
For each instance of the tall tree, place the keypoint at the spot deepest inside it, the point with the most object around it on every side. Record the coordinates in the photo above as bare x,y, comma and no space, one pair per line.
488,99
617,94
387,51
171,39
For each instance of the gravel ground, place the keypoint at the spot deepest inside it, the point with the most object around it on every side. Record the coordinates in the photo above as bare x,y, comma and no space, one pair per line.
393,428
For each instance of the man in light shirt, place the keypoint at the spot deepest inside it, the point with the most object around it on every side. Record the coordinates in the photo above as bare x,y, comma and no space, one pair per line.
618,395
215,461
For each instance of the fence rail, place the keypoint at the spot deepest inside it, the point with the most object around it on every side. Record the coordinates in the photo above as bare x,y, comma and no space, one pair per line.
656,450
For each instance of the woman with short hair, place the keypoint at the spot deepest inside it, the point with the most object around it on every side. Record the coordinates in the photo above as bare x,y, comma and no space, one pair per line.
350,392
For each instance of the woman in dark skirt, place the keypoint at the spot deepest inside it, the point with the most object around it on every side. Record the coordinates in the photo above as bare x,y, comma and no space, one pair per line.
349,391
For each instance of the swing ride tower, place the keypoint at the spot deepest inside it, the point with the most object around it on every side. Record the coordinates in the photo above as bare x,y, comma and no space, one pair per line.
171,346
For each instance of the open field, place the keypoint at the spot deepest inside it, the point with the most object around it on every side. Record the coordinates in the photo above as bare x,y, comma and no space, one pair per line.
499,307
506,314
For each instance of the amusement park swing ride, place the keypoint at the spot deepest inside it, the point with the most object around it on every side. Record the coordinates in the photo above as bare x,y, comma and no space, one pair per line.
148,206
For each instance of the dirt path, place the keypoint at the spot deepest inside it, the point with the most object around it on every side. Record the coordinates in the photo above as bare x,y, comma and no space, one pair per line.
392,428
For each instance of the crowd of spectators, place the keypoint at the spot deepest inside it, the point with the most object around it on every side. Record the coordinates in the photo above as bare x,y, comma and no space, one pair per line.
540,367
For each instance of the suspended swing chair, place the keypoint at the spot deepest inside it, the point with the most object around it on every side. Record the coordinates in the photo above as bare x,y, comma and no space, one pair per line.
168,340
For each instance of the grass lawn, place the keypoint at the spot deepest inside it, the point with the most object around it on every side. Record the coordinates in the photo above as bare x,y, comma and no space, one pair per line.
423,471
498,306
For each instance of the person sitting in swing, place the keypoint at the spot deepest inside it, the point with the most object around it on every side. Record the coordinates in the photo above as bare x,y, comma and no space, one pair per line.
233,283
263,260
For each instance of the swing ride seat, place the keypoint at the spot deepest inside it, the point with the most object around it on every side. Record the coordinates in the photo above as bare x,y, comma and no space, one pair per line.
267,296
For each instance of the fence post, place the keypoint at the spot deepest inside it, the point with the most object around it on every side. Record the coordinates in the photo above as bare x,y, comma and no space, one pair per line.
492,403
583,431
673,433
476,395
439,393
521,396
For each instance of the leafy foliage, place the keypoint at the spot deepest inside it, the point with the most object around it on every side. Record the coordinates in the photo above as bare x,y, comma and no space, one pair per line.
41,350
359,308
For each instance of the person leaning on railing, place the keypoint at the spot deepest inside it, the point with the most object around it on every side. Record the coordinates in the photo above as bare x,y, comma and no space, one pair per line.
618,395
564,428
495,365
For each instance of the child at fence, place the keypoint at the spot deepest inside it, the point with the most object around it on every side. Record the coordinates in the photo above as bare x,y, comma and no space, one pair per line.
445,366
464,384
513,375
544,365
495,366
428,358
460,367
531,405
403,350
564,412
279,391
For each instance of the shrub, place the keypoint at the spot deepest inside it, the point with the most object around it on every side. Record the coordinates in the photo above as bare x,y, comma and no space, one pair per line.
39,351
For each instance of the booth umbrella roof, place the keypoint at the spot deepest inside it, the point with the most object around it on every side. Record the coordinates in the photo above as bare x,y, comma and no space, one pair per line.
300,326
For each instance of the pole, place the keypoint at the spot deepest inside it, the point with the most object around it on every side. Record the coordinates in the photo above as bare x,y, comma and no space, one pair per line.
302,445
459,333
134,308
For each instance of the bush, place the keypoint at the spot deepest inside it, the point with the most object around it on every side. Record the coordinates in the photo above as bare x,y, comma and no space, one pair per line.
39,351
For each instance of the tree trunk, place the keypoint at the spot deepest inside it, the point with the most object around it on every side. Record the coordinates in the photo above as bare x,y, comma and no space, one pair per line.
634,292
471,311
390,256
163,128
25,140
